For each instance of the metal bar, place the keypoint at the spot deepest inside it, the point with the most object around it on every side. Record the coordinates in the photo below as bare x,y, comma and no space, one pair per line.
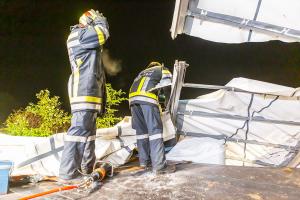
238,117
212,87
228,88
244,23
223,137
254,19
180,11
177,83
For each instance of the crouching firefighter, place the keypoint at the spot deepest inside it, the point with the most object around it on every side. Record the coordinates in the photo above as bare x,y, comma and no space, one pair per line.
86,90
146,119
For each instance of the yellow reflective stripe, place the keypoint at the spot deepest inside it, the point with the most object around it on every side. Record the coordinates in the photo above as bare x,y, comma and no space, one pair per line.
100,34
86,99
76,82
143,93
166,72
141,84
79,62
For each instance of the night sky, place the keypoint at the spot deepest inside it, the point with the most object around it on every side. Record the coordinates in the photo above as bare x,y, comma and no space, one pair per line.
33,53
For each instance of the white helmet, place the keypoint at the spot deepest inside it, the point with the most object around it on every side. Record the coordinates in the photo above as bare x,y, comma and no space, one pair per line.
88,17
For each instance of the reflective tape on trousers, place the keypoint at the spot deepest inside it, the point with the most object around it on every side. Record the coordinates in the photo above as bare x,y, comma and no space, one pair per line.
73,138
91,138
140,137
83,99
88,106
155,136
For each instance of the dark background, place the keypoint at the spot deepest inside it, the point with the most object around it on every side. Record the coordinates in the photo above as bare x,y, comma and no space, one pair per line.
33,53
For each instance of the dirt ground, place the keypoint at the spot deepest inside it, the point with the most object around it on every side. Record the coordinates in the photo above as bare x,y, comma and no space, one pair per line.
190,181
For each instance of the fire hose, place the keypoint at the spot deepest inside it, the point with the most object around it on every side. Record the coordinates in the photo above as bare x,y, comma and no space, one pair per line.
92,182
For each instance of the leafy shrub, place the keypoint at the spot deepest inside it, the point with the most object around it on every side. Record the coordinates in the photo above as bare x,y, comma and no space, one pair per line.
41,119
46,117
114,98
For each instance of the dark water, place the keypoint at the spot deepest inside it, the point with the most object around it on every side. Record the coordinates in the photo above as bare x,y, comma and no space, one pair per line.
33,55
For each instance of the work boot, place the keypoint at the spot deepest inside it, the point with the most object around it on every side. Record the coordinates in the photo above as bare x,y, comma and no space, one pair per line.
167,169
74,181
145,166
142,169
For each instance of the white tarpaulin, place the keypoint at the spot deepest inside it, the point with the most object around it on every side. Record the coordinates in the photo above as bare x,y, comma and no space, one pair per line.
198,150
237,21
41,155
259,129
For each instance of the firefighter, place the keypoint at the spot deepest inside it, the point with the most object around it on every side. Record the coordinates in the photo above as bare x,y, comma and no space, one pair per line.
146,119
86,88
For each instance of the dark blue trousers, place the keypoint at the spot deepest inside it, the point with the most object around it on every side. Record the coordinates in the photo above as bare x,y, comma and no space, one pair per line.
146,120
79,145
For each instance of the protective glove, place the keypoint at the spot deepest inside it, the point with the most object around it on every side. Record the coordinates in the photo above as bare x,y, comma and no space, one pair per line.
93,14
90,16
97,18
101,19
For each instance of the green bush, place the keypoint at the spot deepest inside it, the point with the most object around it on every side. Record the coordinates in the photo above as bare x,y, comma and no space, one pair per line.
41,119
46,117
114,98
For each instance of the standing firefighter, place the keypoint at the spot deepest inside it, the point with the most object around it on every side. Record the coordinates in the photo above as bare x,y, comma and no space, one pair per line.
146,119
86,89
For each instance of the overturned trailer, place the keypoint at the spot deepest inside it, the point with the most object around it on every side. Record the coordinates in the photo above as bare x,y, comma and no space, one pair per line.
237,21
258,122
246,122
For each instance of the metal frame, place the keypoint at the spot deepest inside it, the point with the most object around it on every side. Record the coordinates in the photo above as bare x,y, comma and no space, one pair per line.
244,23
178,84
182,11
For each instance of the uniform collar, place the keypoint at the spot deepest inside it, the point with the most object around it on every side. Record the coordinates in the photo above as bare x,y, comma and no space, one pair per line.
74,27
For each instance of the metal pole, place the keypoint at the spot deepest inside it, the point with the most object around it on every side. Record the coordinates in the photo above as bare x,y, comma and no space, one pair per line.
177,83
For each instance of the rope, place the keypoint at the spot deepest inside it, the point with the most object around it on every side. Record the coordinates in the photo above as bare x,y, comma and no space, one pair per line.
246,123
271,102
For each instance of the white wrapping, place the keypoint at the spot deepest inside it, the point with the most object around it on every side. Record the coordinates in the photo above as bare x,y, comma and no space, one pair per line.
198,150
236,104
108,147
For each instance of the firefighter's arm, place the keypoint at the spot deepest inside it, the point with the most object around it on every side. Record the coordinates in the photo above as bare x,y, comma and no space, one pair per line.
96,34
166,80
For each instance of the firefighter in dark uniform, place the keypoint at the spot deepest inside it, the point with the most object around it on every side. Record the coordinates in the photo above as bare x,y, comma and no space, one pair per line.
86,90
146,119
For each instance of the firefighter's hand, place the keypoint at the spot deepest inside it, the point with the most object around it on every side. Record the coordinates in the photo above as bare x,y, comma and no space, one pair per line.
96,15
93,14
161,98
